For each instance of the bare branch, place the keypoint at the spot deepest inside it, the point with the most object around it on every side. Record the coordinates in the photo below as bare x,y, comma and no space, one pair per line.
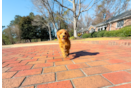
63,6
64,18
44,3
86,9
83,1
88,4
79,8
70,1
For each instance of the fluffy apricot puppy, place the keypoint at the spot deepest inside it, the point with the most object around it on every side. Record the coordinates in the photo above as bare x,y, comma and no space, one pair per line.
64,42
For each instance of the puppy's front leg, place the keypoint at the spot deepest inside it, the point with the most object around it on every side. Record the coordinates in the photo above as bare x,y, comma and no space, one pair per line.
66,51
63,52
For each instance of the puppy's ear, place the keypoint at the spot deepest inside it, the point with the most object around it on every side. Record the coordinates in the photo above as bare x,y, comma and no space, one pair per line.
68,35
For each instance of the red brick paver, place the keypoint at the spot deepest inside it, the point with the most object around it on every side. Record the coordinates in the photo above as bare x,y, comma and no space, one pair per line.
28,72
76,66
117,67
21,68
122,86
43,65
39,79
81,60
5,69
11,83
54,60
28,87
63,63
97,63
69,74
91,82
115,61
118,77
92,64
54,69
61,84
95,70
36,62
7,75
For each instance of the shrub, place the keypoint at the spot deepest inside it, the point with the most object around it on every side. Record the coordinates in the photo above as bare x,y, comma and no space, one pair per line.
100,33
127,32
55,39
94,34
90,35
106,34
85,35
71,32
79,35
123,32
72,37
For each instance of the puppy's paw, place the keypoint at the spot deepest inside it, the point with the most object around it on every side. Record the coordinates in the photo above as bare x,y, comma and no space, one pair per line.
68,54
64,56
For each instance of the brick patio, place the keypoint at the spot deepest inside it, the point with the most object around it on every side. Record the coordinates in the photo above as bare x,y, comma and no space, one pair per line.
88,66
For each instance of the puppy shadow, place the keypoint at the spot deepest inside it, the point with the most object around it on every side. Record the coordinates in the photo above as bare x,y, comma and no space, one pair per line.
83,53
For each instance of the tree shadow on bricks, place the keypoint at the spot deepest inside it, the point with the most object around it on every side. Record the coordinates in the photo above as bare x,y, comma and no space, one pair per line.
83,53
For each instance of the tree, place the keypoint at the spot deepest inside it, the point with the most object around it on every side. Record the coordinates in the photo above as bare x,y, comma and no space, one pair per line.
28,31
16,32
61,23
15,27
40,21
8,35
78,8
16,20
118,7
5,39
87,20
84,21
3,27
108,8
31,15
42,33
46,8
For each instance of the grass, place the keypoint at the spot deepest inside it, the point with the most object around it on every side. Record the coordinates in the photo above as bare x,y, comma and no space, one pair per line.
123,38
99,39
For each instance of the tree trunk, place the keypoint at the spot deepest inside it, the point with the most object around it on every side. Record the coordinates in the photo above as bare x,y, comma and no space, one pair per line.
59,24
50,37
75,27
55,28
75,19
30,40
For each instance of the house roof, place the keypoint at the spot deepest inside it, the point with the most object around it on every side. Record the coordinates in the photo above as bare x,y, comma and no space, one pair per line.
116,18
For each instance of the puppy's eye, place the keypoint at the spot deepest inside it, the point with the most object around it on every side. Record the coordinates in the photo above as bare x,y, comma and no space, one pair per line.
65,33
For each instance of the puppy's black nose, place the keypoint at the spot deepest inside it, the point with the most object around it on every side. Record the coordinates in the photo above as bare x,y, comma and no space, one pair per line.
63,36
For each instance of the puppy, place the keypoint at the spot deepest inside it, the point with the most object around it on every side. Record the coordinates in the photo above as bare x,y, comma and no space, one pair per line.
64,42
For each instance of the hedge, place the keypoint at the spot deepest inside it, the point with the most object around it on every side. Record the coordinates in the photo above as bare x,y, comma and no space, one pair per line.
123,32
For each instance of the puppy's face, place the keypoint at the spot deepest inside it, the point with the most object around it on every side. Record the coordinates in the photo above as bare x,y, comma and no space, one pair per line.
62,34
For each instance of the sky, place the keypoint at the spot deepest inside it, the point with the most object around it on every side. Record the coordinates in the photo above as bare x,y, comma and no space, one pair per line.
132,6
10,8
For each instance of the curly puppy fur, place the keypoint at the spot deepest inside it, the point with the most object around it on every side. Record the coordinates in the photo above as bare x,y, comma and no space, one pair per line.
64,42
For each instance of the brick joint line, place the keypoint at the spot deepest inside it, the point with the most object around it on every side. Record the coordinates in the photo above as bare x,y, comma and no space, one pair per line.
22,81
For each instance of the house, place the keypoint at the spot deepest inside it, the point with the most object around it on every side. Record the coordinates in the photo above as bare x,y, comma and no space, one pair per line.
83,30
113,23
